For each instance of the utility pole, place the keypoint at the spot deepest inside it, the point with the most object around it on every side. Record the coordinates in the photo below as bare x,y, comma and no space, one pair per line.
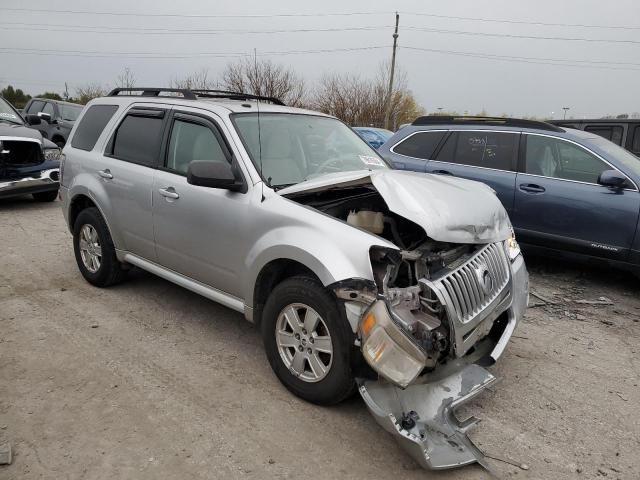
387,112
565,112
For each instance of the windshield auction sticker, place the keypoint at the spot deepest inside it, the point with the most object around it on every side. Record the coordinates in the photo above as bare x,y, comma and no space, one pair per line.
8,115
371,161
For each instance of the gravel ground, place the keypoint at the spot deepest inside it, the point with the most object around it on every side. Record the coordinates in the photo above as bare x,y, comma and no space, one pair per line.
146,380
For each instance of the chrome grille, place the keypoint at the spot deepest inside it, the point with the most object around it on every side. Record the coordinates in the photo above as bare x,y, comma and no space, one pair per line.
474,285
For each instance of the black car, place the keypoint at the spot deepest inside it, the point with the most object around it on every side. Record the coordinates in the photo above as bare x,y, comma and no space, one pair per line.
29,163
57,118
624,132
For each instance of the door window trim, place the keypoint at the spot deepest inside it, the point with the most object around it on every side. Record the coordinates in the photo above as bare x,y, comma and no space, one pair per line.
514,169
443,139
522,165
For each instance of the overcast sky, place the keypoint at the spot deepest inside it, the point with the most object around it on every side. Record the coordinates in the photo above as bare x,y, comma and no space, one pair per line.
40,50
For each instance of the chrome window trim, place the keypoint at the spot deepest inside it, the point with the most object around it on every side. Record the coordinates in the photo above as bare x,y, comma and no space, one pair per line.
589,151
515,132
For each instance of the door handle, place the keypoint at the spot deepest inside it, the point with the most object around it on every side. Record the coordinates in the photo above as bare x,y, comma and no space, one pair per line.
106,173
532,188
169,192
442,172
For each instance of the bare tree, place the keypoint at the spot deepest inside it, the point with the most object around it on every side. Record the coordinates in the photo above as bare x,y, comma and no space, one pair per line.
126,79
360,101
89,92
197,80
263,77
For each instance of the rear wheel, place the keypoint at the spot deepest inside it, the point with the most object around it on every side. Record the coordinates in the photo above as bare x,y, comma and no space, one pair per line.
46,196
94,250
308,341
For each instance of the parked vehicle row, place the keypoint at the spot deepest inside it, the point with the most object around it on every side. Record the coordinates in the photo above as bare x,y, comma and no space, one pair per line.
56,118
29,163
567,191
397,284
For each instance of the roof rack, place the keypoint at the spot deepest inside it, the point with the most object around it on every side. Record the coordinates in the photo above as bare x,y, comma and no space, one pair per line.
505,122
193,94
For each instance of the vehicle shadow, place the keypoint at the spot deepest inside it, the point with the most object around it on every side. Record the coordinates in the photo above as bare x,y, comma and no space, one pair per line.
24,202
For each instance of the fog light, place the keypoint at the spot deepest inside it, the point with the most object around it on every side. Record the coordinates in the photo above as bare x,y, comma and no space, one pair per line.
387,349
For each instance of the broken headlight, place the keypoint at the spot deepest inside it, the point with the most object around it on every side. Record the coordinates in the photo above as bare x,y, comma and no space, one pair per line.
387,349
513,249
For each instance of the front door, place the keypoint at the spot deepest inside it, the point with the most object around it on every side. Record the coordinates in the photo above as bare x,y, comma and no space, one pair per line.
559,203
199,231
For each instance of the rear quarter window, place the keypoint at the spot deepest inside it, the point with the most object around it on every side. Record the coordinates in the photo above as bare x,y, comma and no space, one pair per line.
91,126
419,145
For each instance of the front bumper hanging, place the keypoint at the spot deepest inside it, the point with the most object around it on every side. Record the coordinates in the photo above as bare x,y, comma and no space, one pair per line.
422,416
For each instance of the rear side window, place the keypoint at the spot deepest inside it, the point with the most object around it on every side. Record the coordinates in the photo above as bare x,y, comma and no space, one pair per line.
91,126
419,145
610,132
495,150
139,136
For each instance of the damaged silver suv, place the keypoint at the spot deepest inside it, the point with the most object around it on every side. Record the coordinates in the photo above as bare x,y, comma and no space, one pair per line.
398,284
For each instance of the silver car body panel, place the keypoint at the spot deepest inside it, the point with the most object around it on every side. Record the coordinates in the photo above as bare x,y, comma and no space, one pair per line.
449,209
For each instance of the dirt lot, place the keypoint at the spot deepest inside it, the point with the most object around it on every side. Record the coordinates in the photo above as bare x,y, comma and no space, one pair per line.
147,380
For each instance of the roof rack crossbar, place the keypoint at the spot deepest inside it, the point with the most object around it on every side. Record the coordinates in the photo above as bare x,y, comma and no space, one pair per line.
506,122
235,95
153,92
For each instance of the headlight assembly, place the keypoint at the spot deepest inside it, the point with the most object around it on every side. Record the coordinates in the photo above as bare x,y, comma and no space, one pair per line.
387,350
51,153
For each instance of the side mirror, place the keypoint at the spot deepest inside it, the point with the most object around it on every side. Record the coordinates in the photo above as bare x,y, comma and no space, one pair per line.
45,116
206,173
33,119
613,179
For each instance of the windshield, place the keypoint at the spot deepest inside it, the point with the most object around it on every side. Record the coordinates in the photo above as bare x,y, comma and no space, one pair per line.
8,114
70,112
291,148
625,157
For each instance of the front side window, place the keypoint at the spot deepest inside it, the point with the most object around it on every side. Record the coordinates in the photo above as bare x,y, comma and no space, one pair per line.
70,113
48,108
610,132
495,150
556,158
138,138
91,126
419,145
290,148
192,141
36,106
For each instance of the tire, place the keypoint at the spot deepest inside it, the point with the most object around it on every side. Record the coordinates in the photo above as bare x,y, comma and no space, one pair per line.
108,270
46,196
60,142
299,295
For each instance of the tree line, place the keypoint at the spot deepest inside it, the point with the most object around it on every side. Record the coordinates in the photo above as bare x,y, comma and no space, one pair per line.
354,99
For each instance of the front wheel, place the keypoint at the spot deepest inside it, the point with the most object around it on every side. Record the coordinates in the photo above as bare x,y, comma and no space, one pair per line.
308,341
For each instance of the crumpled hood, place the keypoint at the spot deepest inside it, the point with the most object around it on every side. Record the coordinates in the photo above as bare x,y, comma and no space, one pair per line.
449,209
22,131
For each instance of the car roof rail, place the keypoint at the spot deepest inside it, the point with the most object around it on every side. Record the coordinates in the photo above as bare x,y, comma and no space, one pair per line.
235,95
497,121
152,92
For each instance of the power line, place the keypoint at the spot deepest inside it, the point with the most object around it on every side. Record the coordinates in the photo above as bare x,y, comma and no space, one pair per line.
534,60
182,15
531,37
167,31
98,54
522,22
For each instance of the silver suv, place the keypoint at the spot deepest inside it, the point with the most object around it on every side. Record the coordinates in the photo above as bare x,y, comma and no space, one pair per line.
398,284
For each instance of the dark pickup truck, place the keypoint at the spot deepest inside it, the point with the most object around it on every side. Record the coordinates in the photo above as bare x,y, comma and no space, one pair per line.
29,163
624,132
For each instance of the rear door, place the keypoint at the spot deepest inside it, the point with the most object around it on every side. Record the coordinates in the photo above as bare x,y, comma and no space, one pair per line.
126,171
483,155
559,203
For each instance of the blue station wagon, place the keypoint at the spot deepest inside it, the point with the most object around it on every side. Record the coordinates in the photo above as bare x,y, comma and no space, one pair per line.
567,191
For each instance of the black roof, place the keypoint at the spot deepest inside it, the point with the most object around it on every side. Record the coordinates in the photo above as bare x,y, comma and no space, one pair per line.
492,121
192,94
